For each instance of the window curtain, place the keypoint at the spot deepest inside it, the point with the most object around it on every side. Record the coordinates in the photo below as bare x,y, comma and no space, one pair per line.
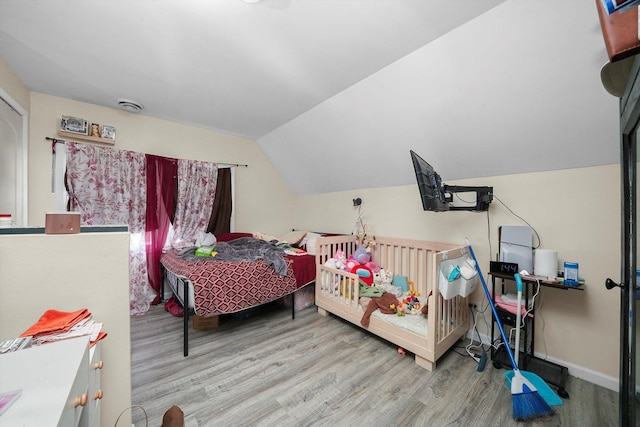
108,187
223,204
161,193
196,192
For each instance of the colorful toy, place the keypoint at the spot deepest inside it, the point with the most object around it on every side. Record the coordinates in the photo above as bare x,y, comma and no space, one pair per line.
410,304
373,266
366,275
350,264
341,259
361,255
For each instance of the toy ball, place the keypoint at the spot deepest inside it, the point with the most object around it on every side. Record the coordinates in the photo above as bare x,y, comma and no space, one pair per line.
361,255
365,273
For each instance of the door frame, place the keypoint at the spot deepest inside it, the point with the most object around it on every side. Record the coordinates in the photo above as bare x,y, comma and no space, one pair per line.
23,197
629,127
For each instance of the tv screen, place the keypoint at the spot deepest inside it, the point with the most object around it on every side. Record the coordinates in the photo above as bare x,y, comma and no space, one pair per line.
430,185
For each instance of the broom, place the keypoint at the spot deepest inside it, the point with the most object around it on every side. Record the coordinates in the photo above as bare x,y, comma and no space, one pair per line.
527,404
543,388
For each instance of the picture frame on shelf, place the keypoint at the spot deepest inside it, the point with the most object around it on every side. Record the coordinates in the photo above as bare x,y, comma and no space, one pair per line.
108,132
74,125
95,130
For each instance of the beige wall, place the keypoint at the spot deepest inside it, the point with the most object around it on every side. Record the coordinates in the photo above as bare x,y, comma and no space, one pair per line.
263,200
11,83
575,212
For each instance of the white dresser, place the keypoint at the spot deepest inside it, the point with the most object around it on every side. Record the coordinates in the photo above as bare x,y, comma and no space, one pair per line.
60,385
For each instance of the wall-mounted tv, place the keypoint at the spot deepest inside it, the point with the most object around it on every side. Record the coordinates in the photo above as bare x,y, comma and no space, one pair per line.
429,184
436,196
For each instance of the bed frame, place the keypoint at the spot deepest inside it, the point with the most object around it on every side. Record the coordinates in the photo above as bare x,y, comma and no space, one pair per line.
419,261
182,289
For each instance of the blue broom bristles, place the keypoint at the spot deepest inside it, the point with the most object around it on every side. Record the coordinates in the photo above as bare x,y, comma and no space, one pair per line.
529,406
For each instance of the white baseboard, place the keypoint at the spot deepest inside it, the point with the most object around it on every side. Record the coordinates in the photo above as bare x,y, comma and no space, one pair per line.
576,371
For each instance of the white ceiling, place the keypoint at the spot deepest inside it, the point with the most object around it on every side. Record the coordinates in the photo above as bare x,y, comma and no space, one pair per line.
336,92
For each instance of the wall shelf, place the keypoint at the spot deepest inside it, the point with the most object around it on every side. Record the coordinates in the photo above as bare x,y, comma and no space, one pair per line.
71,135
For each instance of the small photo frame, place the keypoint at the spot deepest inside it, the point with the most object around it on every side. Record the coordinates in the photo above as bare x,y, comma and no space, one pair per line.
108,132
94,130
74,125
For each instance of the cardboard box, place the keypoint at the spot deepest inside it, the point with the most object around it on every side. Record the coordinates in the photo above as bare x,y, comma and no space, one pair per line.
204,323
62,223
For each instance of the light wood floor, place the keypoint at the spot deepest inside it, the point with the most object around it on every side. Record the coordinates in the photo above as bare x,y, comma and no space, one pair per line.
270,370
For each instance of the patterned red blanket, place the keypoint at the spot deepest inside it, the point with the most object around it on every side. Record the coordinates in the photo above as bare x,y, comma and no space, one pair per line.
227,287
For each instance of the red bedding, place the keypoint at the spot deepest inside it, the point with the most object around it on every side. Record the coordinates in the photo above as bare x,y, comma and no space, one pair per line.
227,287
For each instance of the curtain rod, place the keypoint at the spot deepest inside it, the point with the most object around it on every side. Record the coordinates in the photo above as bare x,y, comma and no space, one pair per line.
237,165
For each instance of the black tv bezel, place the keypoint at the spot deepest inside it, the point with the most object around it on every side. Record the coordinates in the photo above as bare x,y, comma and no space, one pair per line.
430,185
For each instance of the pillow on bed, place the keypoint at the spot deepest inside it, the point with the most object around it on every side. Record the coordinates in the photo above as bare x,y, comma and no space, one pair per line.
293,237
310,236
225,237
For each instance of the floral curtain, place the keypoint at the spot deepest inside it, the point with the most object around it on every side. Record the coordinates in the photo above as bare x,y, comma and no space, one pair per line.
196,192
108,187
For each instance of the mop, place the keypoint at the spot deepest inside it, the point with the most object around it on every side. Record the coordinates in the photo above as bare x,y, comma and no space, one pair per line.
527,404
545,391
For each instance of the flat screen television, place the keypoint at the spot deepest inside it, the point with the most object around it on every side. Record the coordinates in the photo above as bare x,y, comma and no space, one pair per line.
437,196
430,185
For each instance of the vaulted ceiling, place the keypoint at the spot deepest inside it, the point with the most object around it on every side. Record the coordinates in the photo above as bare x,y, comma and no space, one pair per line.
336,92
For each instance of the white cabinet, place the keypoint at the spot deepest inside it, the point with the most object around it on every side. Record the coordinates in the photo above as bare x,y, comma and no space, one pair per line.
91,415
56,381
85,270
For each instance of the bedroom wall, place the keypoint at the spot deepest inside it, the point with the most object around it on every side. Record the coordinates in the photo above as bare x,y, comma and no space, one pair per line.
575,212
262,199
13,85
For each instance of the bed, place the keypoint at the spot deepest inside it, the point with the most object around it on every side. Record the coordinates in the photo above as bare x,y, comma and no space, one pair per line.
214,287
428,265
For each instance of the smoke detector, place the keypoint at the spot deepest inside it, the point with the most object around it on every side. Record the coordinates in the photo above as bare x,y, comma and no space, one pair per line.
130,106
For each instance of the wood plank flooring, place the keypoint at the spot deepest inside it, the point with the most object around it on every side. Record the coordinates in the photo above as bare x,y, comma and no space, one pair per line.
270,370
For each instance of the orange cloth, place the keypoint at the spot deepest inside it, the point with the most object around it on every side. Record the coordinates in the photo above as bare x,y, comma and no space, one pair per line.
100,336
53,321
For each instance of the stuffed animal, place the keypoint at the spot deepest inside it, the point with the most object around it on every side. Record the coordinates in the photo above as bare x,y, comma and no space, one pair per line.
373,266
331,263
350,264
365,274
361,255
341,259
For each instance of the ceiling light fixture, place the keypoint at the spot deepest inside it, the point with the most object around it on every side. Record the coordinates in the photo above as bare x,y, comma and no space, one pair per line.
130,106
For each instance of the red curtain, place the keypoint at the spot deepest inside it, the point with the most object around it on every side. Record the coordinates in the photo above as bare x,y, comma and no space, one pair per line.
161,193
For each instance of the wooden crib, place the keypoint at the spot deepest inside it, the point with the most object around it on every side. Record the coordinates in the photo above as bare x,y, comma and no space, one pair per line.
337,292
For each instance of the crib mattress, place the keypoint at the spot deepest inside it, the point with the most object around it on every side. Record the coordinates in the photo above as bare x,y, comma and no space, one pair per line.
221,287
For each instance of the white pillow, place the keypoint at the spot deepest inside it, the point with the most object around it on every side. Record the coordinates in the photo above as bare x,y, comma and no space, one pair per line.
293,237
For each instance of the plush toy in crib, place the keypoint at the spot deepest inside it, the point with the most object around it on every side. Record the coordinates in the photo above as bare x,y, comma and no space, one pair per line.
365,274
341,259
361,255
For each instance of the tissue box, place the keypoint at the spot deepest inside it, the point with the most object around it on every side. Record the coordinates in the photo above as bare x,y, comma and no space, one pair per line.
62,223
204,251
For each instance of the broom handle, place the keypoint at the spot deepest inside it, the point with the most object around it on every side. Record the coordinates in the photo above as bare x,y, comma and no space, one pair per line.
518,315
493,308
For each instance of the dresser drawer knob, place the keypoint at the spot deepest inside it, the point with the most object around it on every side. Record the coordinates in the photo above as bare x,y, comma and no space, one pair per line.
98,365
80,401
98,395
